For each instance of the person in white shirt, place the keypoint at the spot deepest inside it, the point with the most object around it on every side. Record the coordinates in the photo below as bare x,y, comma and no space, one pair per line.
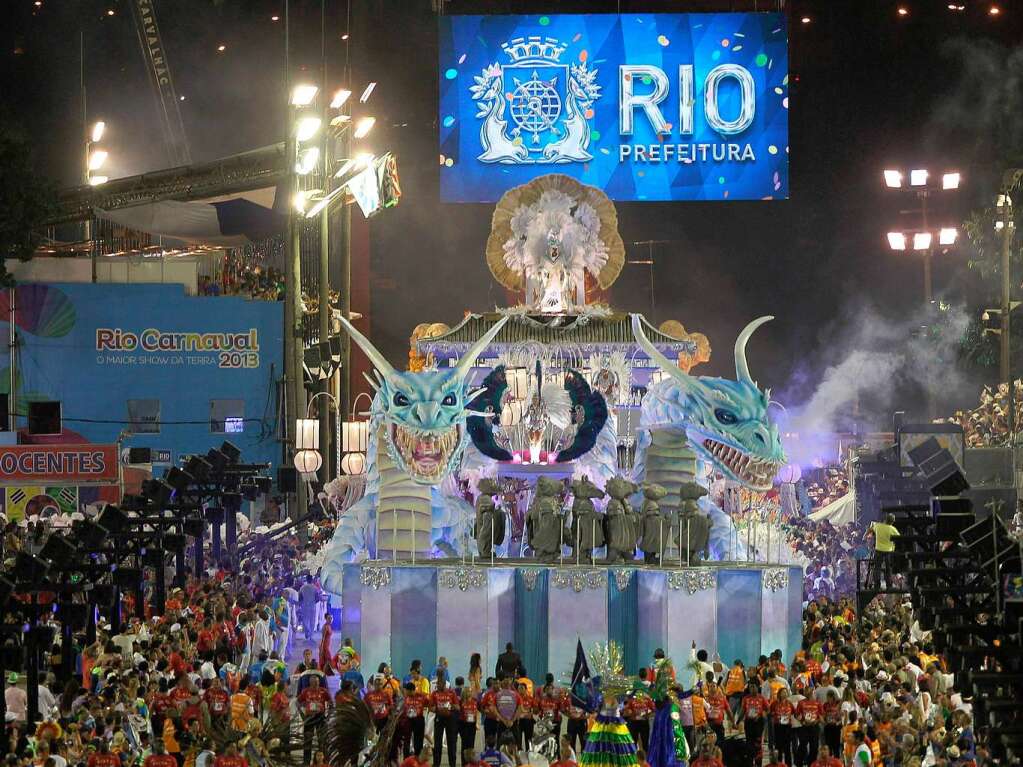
862,757
261,639
698,666
16,698
47,701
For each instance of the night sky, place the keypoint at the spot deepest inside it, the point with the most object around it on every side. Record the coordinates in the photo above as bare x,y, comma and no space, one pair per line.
869,89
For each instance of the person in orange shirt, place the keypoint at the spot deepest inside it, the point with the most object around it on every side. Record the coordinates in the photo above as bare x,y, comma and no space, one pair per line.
242,707
735,685
849,742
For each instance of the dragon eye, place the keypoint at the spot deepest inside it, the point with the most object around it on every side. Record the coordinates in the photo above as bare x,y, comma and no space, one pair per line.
400,399
448,401
727,417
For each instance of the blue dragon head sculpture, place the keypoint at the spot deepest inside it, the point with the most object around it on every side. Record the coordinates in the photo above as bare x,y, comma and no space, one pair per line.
726,422
424,413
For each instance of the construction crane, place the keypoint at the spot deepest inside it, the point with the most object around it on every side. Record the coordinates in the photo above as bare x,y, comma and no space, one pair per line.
158,67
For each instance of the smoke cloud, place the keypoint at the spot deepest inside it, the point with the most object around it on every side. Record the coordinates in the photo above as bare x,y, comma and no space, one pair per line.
872,366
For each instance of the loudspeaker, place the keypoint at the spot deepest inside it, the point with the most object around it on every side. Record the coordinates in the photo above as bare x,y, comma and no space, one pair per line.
232,452
954,516
6,590
941,472
59,550
113,519
44,418
194,527
140,455
76,615
153,557
90,534
5,415
287,479
30,568
127,577
214,515
174,542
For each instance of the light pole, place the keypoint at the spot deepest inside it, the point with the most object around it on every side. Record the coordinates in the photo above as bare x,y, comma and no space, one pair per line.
919,182
301,160
342,128
1010,180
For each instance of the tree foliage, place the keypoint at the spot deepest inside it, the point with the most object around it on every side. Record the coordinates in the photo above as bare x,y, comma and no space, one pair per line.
25,198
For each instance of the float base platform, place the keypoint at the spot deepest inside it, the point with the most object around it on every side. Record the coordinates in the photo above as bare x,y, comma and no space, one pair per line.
399,612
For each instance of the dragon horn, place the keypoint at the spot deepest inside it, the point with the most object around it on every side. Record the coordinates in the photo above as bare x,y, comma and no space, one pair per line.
469,358
381,364
741,366
662,362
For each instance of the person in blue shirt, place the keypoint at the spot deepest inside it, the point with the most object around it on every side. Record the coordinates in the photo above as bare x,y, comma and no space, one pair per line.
256,669
491,757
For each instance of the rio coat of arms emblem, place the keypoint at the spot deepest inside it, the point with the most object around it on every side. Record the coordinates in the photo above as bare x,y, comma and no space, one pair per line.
535,109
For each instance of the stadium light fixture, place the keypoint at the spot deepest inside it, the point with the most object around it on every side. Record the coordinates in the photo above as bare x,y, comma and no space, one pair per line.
364,126
896,240
893,179
918,177
302,95
97,180
921,240
306,128
947,236
307,160
97,158
950,180
367,93
98,129
340,97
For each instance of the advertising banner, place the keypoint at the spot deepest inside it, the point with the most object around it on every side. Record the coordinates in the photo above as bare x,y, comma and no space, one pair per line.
58,464
686,106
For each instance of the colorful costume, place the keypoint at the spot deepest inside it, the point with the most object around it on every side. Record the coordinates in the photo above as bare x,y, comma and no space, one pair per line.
668,745
609,743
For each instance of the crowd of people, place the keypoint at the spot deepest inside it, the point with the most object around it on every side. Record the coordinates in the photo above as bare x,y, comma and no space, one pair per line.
988,424
222,659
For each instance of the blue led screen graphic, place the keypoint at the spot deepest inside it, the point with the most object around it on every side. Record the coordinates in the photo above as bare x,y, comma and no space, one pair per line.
690,106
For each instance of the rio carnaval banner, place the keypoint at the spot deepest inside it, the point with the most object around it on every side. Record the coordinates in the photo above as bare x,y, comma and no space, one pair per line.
645,106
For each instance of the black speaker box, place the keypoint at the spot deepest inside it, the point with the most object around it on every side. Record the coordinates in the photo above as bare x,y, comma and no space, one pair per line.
954,516
6,590
941,472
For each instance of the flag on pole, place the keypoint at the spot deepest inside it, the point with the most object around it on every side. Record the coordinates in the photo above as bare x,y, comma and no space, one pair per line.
580,676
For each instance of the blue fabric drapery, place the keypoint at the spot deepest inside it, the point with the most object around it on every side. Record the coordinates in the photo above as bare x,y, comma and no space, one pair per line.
531,607
623,618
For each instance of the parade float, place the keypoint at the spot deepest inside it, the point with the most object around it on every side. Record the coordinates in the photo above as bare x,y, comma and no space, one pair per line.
539,474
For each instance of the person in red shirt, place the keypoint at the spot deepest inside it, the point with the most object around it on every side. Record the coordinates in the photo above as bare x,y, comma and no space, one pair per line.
638,711
550,701
313,703
103,757
468,715
718,704
753,713
379,702
159,757
217,701
809,712
425,758
280,703
488,711
824,759
706,759
182,694
782,712
231,758
832,715
564,757
444,704
413,710
527,717
204,643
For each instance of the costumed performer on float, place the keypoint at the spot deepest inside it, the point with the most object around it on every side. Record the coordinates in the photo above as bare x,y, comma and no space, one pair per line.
668,745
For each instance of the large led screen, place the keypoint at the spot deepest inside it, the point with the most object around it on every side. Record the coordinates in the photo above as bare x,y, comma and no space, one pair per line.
682,106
